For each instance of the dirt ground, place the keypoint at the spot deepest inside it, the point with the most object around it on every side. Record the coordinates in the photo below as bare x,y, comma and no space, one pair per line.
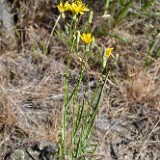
32,74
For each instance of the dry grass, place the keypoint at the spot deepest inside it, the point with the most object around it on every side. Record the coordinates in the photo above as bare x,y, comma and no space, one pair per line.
128,123
30,106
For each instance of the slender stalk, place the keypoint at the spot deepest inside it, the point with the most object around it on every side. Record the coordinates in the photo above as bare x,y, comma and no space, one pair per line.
96,109
53,29
75,101
83,139
66,92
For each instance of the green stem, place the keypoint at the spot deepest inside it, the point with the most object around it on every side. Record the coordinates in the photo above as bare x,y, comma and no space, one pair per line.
96,109
66,93
75,93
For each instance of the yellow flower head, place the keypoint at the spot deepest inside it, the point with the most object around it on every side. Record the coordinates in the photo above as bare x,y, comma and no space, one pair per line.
87,38
77,7
64,7
108,52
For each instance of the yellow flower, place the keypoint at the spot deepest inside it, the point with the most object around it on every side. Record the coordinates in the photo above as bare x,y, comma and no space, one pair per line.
75,7
108,52
87,38
64,7
78,7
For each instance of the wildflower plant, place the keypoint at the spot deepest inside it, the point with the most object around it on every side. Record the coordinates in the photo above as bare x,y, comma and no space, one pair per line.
83,113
